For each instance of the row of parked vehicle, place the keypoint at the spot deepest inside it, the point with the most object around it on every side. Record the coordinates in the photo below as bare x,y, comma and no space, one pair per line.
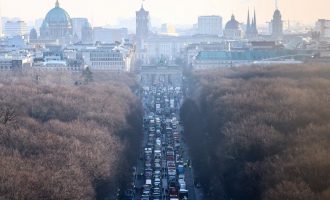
164,169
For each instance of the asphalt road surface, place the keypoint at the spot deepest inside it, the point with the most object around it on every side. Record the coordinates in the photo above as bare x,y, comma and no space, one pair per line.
163,171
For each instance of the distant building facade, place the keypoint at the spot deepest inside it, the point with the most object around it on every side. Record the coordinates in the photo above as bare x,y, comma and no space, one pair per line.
7,64
168,29
224,58
210,25
172,47
192,50
109,58
109,35
87,35
15,60
15,28
322,27
13,43
77,25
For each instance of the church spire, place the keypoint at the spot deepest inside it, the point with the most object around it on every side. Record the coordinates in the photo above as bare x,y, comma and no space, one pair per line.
254,20
248,24
57,4
255,28
251,26
248,18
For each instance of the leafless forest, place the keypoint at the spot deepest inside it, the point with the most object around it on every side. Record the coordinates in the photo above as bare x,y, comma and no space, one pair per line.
260,133
60,140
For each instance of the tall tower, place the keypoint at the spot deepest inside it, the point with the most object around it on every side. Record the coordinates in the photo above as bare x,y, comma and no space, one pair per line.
254,28
248,25
254,21
277,23
142,26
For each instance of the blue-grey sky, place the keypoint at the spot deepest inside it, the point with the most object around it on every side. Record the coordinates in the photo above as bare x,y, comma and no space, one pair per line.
184,12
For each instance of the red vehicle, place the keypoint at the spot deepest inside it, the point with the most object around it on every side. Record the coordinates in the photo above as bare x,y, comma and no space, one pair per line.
173,192
170,158
170,153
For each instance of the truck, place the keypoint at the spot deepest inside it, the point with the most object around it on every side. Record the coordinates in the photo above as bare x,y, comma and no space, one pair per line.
180,169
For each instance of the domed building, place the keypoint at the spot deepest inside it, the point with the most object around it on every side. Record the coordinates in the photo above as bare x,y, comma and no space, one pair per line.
33,35
233,29
57,25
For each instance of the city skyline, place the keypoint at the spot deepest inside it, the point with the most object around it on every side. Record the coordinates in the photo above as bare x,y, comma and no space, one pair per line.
102,12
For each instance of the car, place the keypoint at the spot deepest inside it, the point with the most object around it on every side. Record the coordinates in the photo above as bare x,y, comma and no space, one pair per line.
148,174
148,164
156,190
182,184
152,129
145,197
157,182
156,196
170,153
158,166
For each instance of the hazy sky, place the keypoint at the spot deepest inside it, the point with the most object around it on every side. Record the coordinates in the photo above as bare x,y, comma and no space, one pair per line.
101,12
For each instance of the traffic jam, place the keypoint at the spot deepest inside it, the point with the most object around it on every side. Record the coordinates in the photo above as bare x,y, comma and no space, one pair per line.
163,174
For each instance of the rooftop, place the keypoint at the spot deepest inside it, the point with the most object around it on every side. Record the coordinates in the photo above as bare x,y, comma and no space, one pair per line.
244,54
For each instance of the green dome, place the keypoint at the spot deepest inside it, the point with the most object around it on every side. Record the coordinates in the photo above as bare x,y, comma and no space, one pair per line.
57,16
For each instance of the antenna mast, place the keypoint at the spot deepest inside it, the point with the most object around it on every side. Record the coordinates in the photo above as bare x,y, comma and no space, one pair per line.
276,4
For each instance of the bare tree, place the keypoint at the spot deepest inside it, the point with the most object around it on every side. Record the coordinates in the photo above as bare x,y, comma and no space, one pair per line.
7,114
